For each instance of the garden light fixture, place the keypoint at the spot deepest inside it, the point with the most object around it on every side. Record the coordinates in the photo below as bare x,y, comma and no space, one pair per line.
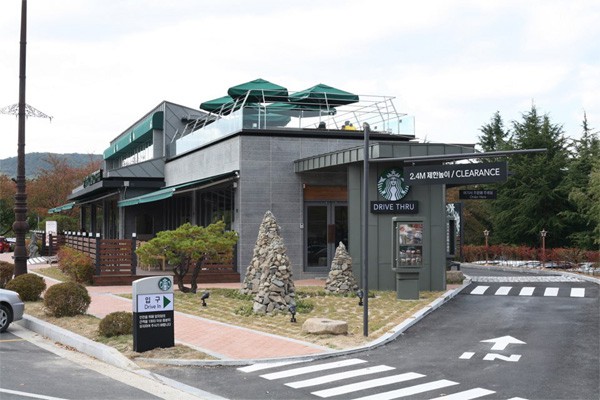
204,296
360,295
292,308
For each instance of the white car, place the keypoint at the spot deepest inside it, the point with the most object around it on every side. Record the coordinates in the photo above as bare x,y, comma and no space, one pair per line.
11,308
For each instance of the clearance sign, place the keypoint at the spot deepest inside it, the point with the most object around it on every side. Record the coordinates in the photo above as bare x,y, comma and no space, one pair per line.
456,174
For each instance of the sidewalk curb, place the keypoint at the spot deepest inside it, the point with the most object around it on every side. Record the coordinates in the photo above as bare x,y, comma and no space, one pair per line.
82,344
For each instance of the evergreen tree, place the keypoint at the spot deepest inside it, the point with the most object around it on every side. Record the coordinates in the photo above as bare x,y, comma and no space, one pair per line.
534,195
582,221
494,137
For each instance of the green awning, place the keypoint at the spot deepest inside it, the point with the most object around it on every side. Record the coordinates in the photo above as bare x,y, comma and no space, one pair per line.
324,94
140,133
64,207
167,192
258,90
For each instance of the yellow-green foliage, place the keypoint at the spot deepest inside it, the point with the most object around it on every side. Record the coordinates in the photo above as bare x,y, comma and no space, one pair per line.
66,299
29,286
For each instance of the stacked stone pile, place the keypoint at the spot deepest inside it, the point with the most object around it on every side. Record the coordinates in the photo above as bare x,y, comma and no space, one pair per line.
267,231
276,291
340,279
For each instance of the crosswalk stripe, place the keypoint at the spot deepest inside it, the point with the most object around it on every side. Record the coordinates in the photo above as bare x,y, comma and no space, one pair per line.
312,368
388,380
411,390
527,291
262,366
503,290
339,376
467,394
551,291
480,290
577,292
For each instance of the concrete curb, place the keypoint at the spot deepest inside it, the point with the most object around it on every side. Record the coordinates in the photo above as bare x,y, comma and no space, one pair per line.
84,345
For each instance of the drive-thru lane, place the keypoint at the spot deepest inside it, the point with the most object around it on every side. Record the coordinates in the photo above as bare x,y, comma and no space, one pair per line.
498,344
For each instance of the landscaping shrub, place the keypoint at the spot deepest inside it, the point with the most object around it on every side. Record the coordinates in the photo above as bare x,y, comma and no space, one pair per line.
75,264
29,286
116,323
6,273
66,299
454,277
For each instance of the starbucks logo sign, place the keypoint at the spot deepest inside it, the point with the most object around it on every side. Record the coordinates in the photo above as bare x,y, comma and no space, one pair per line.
391,184
164,284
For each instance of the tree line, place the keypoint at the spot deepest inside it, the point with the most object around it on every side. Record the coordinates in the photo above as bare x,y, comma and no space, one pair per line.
557,191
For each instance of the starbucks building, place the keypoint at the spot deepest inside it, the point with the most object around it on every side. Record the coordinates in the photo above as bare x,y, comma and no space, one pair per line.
297,154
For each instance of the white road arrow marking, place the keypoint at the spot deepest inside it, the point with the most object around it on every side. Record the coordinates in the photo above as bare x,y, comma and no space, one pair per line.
493,356
500,343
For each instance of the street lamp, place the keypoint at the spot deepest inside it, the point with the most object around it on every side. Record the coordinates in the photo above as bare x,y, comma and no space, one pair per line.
486,234
22,110
543,234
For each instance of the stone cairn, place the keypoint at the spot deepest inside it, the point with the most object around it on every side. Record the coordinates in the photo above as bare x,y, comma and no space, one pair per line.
340,279
267,231
276,291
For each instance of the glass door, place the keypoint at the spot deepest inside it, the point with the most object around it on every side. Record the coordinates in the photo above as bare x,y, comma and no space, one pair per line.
326,226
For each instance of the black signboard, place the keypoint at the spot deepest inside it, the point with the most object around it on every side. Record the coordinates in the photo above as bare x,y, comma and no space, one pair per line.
394,207
456,174
486,194
152,330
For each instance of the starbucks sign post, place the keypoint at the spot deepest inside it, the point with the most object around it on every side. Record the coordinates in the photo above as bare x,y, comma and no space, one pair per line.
153,313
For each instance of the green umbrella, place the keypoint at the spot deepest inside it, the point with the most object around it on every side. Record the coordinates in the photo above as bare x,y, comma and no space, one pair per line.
258,90
324,94
221,104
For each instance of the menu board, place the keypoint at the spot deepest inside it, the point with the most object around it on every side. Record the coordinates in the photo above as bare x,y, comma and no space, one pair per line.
410,244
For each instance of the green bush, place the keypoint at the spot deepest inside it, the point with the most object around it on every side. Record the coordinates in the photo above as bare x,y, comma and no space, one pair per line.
116,323
66,299
75,264
29,286
6,273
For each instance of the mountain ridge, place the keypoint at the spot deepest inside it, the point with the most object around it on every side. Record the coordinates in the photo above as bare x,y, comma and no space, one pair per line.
36,162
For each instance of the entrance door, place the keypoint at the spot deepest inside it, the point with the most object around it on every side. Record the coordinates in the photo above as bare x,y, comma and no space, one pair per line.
326,226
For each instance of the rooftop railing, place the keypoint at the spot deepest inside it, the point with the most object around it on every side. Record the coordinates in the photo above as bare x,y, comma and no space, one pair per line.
323,115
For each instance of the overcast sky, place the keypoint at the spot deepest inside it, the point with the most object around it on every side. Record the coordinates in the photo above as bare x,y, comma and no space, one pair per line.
97,66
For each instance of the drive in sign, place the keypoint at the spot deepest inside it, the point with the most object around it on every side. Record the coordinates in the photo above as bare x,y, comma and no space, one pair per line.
456,174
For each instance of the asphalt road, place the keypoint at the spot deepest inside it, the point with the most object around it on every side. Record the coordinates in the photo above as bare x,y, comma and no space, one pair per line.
523,336
33,367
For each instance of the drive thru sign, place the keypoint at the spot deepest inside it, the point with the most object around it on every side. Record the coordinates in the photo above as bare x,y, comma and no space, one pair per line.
153,313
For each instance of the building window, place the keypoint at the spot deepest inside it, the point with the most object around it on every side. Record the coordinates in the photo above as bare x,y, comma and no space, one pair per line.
218,204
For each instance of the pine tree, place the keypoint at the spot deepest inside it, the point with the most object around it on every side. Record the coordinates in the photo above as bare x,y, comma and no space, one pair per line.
494,136
581,220
534,195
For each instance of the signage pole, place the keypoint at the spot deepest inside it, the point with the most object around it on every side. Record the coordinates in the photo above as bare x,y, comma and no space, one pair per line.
365,231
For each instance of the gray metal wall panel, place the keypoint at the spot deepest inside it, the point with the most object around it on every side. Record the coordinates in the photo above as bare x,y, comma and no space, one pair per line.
217,159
